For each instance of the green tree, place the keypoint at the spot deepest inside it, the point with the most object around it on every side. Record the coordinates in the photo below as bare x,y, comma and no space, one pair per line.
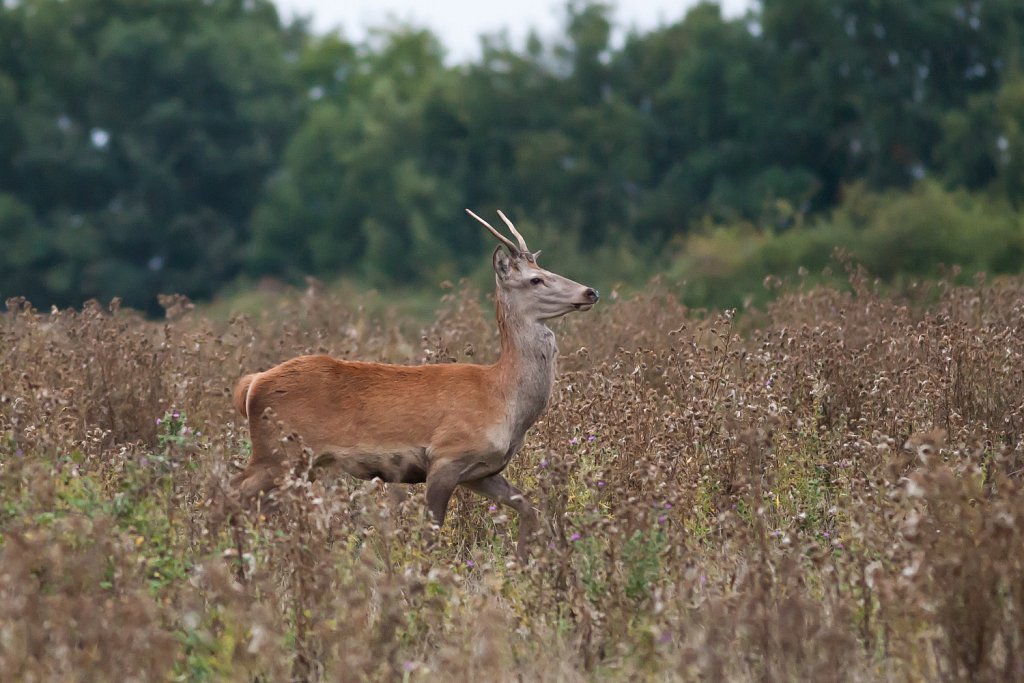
149,147
870,83
140,135
368,179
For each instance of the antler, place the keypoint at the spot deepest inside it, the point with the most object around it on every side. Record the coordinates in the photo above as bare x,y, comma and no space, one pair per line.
519,238
504,240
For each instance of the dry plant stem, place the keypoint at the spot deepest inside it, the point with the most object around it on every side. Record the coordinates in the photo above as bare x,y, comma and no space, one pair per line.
835,494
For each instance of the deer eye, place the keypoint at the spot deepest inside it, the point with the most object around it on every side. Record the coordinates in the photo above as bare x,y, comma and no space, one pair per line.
536,281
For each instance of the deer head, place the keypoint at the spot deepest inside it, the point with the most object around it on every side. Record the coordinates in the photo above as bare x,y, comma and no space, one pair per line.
529,290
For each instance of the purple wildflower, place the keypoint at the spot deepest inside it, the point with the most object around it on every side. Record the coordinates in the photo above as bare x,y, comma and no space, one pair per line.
158,420
575,537
573,441
661,519
469,563
409,666
591,439
600,484
493,508
18,452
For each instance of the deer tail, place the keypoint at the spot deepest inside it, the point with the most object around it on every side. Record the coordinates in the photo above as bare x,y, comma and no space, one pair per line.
242,393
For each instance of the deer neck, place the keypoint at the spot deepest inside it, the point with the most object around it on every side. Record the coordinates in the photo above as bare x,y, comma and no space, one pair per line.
526,369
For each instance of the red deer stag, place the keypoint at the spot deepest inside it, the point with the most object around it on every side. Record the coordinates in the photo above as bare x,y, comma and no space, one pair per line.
446,425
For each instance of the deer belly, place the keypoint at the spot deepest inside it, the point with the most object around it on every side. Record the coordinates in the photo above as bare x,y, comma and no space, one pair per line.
401,467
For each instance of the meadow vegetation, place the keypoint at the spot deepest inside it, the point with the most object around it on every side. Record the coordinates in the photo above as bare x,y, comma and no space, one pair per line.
826,488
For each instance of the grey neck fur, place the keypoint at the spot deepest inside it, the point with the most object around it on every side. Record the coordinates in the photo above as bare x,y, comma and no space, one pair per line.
527,366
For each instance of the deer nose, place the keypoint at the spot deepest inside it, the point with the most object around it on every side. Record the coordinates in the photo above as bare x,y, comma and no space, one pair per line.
591,295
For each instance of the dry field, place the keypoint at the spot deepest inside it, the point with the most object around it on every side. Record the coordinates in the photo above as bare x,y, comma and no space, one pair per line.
827,489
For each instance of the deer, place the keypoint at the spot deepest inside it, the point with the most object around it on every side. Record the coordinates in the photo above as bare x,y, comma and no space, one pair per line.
445,425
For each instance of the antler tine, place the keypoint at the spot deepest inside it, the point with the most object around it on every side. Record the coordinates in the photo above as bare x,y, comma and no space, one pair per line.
506,241
519,238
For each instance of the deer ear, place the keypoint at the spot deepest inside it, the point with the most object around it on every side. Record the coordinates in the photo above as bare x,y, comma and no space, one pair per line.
502,262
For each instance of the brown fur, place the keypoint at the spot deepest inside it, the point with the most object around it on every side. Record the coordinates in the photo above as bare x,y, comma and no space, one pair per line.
445,425
242,392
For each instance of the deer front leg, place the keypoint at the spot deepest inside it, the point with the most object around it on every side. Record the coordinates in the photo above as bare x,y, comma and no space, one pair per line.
497,488
441,483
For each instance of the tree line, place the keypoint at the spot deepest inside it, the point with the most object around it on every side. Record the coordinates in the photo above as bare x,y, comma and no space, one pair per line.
185,145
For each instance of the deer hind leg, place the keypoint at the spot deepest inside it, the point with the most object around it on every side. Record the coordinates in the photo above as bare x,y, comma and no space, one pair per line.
254,486
497,488
268,464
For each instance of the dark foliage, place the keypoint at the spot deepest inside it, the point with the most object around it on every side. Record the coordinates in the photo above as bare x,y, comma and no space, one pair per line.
175,146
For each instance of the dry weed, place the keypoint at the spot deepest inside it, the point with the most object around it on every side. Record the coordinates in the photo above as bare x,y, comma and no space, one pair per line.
829,489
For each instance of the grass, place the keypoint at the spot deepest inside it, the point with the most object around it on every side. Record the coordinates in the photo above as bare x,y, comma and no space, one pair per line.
828,488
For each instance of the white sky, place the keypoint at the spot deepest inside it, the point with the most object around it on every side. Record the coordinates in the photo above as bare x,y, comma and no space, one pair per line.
459,23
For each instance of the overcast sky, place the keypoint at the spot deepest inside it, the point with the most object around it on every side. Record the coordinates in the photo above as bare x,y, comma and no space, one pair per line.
459,23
